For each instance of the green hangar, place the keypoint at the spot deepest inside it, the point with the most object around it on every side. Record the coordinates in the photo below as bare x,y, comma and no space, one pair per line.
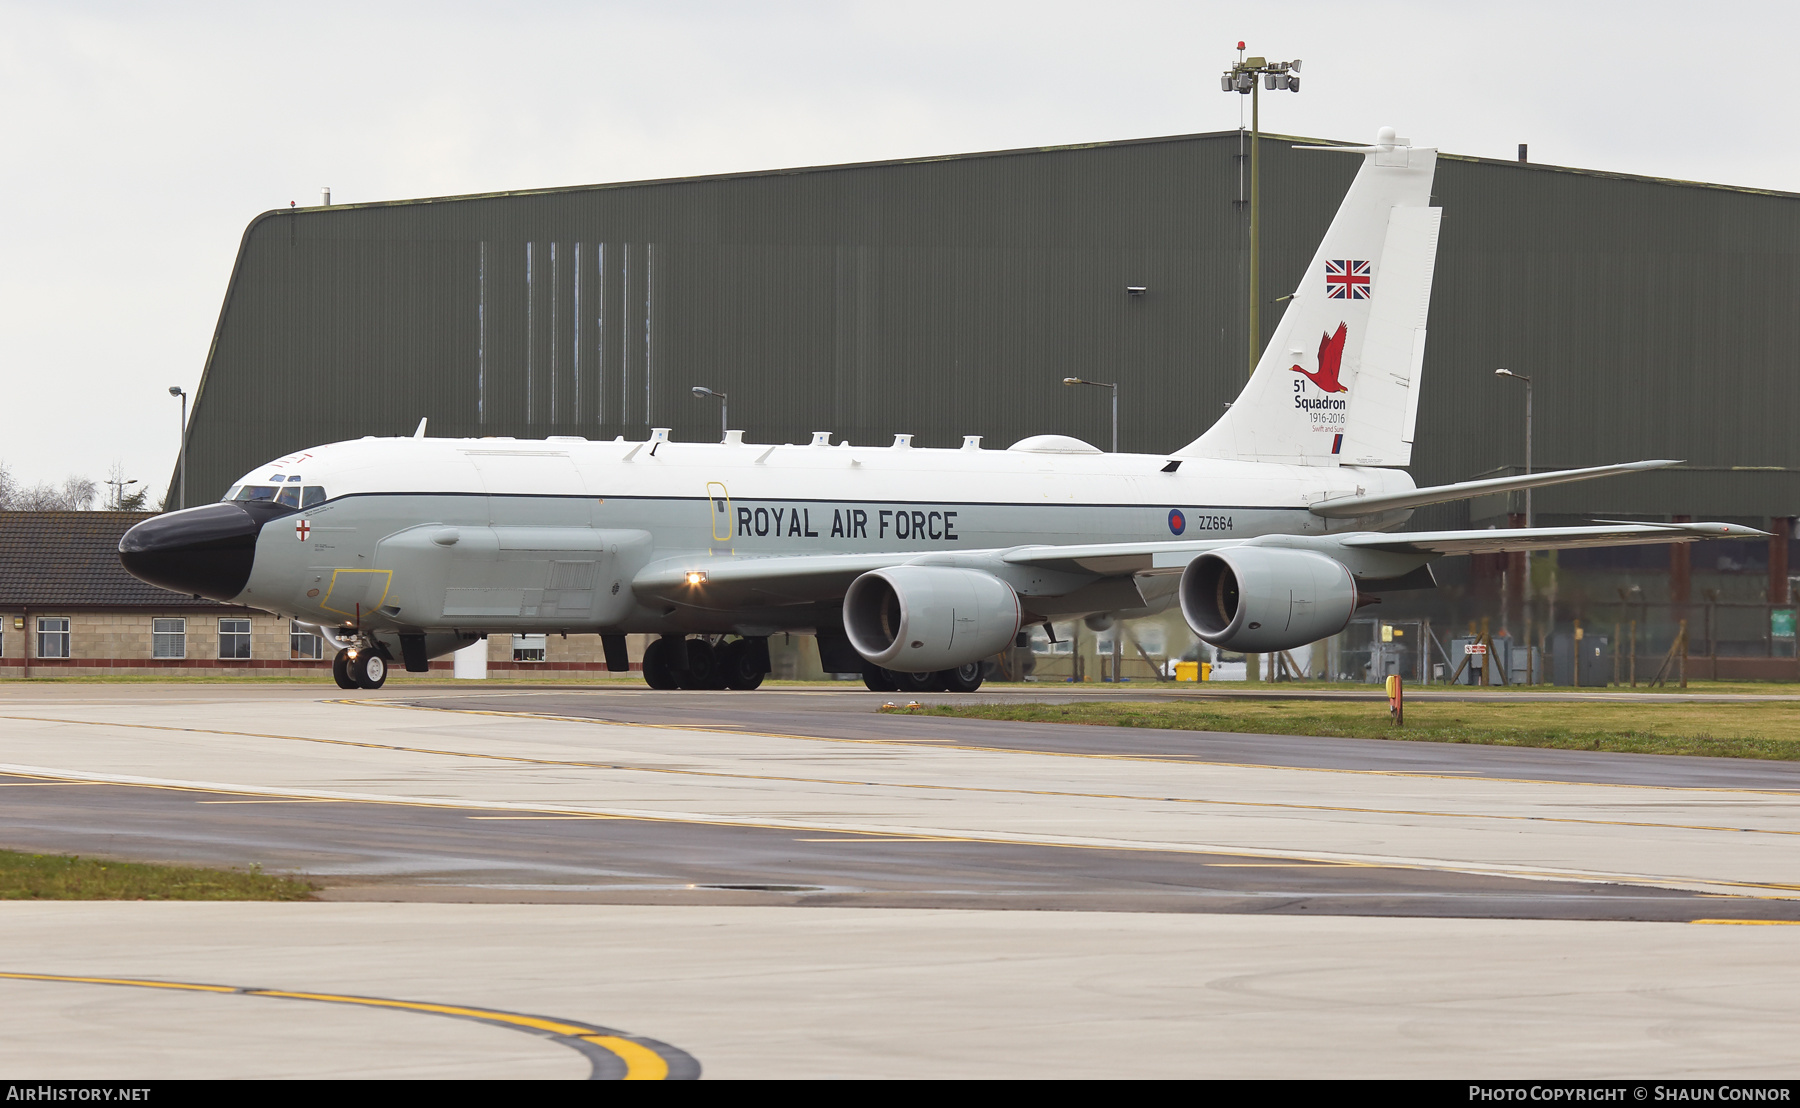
949,296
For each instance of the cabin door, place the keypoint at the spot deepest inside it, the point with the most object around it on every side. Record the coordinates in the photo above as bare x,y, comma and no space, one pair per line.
722,522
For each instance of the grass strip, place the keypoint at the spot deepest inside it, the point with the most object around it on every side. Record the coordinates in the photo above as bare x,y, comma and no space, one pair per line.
70,877
1762,730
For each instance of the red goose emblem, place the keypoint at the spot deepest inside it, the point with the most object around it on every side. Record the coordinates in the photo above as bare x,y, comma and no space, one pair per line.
1331,356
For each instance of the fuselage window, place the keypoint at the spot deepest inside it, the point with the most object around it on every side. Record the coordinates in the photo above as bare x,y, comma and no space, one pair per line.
315,494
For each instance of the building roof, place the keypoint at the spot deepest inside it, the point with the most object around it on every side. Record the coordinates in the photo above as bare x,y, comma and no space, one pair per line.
1010,152
70,560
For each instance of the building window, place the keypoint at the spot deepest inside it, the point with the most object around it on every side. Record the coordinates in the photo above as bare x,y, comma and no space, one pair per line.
529,648
304,642
168,638
234,638
53,636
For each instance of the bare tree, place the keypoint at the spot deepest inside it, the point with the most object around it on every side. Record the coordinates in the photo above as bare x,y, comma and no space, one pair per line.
77,494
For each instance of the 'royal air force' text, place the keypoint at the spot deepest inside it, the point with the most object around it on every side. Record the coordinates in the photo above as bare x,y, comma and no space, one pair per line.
933,524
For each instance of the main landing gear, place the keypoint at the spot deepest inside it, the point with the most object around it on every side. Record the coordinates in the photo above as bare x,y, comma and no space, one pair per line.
966,678
672,662
359,667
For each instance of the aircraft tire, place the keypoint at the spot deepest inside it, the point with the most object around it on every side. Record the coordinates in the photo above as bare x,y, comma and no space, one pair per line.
340,671
702,666
735,666
933,681
876,679
963,678
369,670
657,673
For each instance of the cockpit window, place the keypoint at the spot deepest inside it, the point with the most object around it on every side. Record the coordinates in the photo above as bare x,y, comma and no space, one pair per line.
255,492
231,493
315,494
289,496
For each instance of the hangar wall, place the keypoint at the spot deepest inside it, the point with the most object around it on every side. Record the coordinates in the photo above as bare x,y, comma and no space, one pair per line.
949,296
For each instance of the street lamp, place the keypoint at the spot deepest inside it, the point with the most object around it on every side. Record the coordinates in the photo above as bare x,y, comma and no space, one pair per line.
1242,79
1527,380
118,488
176,390
701,393
1115,404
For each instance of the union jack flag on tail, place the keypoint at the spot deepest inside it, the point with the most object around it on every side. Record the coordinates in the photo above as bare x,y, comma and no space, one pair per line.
1347,280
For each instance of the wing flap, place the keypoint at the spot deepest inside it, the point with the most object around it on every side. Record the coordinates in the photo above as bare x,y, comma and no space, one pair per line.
1507,540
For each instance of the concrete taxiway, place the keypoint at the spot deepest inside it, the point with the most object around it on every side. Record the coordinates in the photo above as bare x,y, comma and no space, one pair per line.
852,861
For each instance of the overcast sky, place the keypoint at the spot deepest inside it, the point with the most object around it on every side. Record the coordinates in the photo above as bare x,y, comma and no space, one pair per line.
140,139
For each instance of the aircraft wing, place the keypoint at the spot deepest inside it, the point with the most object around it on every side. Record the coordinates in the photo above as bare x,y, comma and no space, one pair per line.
731,580
1110,559
1500,540
735,580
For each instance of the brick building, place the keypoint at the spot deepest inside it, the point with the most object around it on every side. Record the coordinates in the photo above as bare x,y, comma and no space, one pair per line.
68,608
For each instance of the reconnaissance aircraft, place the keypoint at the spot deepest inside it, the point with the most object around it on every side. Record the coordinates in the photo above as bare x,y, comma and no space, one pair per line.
911,565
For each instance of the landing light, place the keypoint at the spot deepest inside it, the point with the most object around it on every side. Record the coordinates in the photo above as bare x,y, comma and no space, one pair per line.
697,576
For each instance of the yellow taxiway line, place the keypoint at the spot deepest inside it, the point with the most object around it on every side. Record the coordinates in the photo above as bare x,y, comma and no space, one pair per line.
643,1059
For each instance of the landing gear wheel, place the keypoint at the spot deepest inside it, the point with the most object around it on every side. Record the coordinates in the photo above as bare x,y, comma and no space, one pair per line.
876,679
919,682
340,670
657,672
738,668
368,670
701,666
963,678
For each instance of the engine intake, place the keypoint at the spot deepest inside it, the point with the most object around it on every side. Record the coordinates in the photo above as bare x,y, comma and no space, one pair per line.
918,618
1259,599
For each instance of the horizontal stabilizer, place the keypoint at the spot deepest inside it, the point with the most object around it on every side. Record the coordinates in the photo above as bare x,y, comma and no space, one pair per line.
1346,507
1505,540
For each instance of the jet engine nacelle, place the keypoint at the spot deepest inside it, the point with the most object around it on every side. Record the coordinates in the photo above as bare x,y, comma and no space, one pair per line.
918,618
1259,599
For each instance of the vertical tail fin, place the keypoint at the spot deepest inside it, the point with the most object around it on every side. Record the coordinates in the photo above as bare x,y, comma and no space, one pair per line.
1338,383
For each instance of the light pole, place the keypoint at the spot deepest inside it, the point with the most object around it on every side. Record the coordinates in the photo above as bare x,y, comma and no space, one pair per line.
701,393
1525,585
1115,404
1242,79
1527,380
118,496
176,390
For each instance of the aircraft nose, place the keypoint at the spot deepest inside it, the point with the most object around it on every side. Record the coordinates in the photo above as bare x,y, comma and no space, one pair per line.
205,551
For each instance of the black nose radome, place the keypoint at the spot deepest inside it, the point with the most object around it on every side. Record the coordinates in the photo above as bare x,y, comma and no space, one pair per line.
205,551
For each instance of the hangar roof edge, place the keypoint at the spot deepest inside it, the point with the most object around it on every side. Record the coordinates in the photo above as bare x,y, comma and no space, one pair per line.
1538,167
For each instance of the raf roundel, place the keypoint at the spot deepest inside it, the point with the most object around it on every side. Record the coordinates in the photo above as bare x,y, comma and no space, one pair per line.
1177,521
